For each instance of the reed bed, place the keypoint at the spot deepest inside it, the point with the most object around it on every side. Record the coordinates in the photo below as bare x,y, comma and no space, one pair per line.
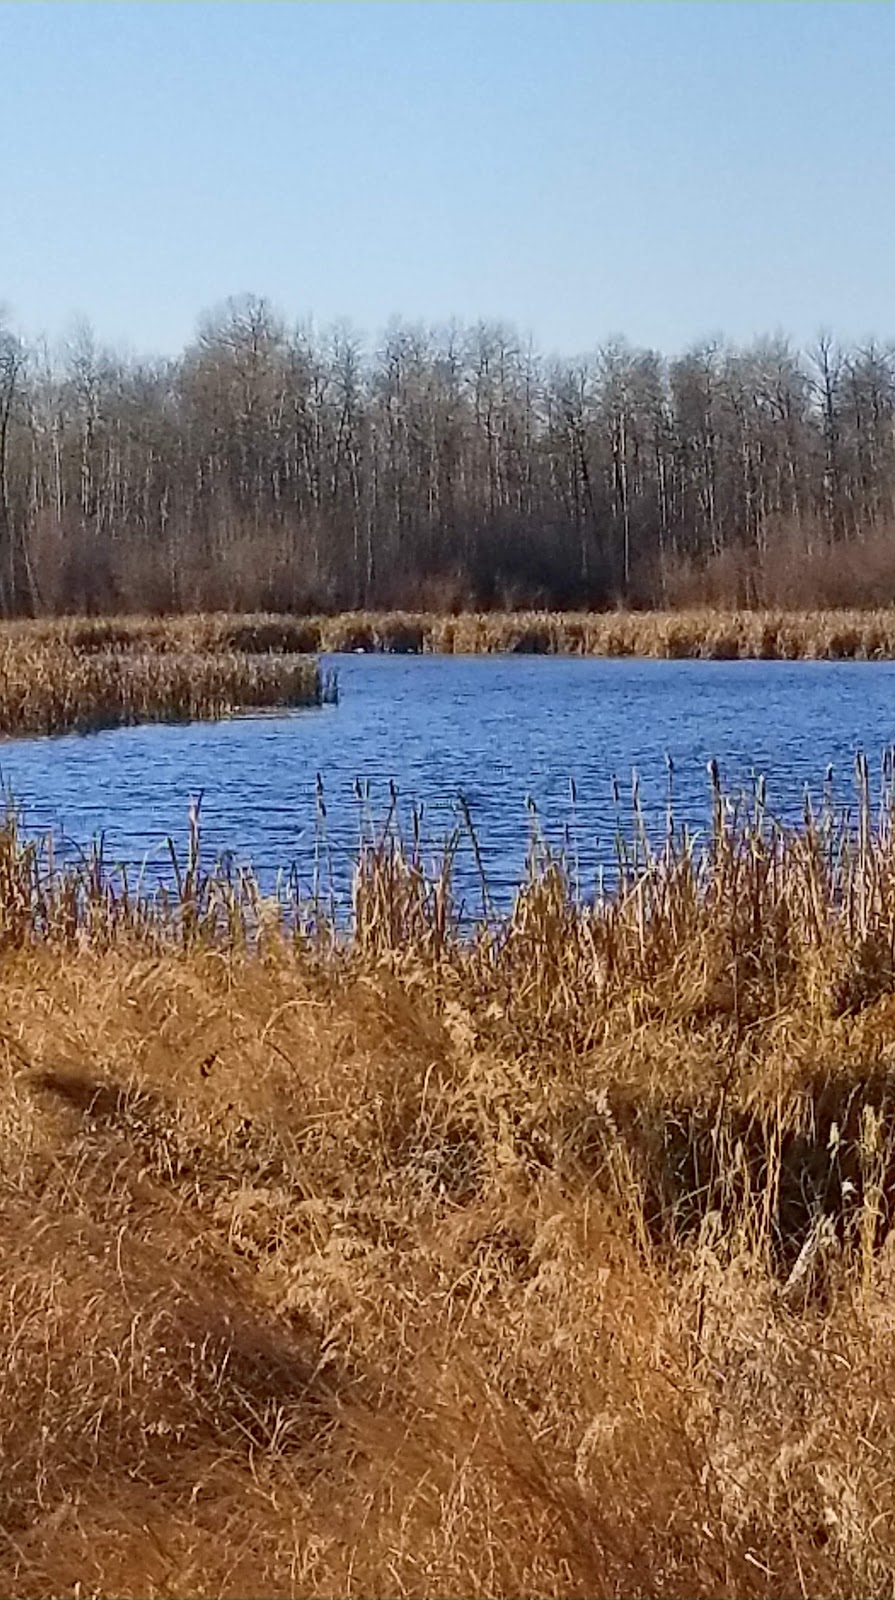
50,685
198,633
552,1256
698,634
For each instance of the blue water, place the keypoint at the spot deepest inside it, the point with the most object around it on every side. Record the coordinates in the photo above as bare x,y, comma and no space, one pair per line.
496,729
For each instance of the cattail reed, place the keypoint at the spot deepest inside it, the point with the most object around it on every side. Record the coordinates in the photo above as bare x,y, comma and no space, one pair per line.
50,686
387,1252
703,634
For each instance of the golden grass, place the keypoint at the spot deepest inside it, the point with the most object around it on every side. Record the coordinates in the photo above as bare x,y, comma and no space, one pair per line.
193,633
698,634
53,681
704,634
554,1260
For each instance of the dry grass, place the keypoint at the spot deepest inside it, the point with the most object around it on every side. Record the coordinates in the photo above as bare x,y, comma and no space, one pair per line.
198,634
707,634
702,634
59,678
550,1261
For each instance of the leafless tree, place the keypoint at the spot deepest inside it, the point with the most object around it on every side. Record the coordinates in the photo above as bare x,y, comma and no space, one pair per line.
298,468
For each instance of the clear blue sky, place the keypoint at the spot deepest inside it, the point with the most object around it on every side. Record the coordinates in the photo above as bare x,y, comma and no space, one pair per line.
663,170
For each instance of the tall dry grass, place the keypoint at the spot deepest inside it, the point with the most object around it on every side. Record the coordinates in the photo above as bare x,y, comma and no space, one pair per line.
712,633
55,680
700,634
703,633
706,633
552,1258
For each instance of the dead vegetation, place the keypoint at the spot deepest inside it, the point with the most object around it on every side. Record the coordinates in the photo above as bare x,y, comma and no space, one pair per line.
553,1259
85,676
698,633
86,673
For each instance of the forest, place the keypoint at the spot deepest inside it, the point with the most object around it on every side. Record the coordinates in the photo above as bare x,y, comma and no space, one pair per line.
282,468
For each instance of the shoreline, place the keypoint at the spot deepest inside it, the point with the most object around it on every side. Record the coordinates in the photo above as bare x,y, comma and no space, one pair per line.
84,673
664,635
697,635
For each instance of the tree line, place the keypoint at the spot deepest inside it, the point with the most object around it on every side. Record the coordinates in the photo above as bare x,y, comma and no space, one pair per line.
272,467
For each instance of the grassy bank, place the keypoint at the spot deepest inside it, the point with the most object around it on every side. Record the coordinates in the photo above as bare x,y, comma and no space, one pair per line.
707,634
551,1261
55,680
699,634
710,635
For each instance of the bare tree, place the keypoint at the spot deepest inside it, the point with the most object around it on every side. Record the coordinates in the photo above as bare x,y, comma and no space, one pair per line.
285,468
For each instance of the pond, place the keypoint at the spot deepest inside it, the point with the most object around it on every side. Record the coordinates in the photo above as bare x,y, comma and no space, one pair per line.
494,729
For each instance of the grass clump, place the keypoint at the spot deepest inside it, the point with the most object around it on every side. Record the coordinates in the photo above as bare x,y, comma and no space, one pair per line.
84,682
549,1257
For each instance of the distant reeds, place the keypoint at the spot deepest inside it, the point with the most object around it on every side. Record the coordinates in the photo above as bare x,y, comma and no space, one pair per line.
699,635
83,679
702,634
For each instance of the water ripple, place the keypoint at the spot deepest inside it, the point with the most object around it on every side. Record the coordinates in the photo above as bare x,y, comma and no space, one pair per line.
494,729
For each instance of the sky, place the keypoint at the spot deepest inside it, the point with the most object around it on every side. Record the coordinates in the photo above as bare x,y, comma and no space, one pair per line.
664,170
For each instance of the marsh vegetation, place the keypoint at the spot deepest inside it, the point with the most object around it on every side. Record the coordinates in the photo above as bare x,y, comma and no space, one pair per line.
82,673
58,678
551,1258
698,634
